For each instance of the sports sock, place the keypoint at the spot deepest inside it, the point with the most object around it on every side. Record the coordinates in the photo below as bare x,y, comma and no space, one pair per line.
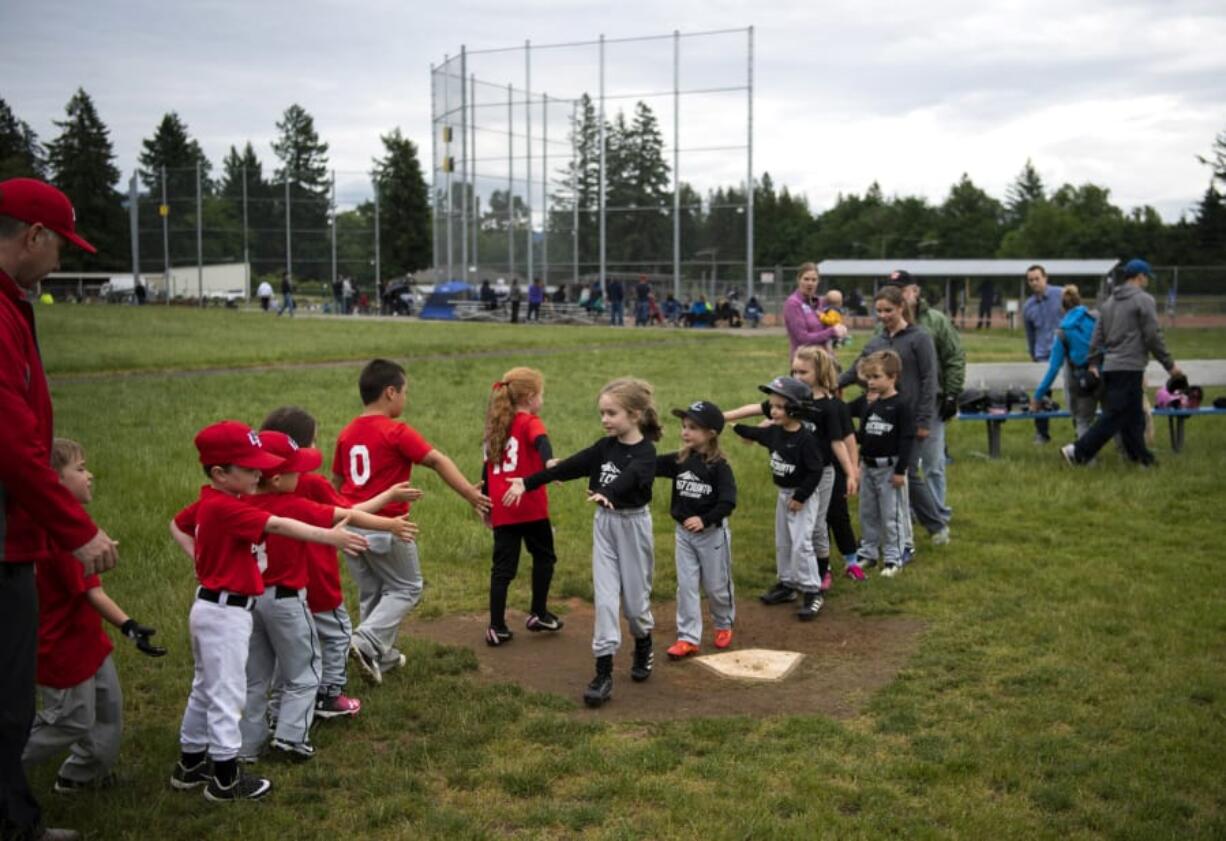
823,567
225,770
191,760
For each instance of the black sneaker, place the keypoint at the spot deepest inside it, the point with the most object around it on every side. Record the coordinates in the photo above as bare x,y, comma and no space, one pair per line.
601,687
813,604
543,622
644,659
243,788
63,785
779,594
497,636
294,751
185,779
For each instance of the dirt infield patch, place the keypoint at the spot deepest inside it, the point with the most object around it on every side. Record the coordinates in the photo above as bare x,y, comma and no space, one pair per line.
847,658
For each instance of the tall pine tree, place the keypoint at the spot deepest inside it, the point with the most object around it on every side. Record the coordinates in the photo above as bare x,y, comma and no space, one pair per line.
21,155
404,211
82,164
304,162
172,147
1025,192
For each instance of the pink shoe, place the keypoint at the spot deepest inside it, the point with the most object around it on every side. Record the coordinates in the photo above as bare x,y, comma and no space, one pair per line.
336,706
854,572
827,581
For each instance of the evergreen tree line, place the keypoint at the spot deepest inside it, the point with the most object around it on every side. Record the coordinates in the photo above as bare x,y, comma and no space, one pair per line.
81,162
1031,220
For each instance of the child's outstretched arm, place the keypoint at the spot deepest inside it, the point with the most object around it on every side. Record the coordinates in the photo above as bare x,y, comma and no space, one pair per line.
337,536
130,628
398,526
441,464
749,410
402,492
186,542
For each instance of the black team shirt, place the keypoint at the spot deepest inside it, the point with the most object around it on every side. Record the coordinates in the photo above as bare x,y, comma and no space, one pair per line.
827,418
700,488
623,473
796,460
887,429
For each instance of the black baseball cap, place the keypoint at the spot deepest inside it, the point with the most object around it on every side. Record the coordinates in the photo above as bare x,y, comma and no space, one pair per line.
790,389
901,277
707,415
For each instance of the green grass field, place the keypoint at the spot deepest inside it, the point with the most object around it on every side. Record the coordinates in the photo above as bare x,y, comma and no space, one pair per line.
1069,683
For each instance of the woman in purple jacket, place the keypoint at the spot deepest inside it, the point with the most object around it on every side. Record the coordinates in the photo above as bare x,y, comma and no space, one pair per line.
800,313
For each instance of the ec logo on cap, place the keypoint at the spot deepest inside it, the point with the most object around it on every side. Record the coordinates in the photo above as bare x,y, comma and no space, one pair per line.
254,439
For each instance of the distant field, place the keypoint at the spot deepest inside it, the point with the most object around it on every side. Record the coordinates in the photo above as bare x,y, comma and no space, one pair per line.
1068,682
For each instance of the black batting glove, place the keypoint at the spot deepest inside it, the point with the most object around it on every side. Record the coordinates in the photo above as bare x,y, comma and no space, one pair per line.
140,634
949,406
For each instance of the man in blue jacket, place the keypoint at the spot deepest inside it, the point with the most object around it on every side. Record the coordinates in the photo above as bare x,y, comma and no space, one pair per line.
1041,315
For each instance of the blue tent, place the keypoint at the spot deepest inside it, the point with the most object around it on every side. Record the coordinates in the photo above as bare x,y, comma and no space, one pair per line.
438,305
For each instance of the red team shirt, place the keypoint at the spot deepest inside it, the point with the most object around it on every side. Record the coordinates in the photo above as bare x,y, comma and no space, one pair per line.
283,560
71,643
375,452
323,569
520,459
226,529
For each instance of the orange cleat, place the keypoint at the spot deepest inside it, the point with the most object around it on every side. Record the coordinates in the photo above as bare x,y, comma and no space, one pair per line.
723,637
681,649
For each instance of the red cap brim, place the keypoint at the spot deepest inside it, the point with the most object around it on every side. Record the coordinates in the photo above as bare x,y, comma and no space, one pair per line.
304,460
259,460
78,241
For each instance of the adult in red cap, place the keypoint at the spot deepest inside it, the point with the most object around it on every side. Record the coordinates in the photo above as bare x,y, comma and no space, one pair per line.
36,221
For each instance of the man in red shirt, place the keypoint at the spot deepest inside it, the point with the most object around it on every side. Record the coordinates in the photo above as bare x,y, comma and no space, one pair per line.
36,220
373,453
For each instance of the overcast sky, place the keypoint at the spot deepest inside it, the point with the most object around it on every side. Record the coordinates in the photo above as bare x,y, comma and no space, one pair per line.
1123,93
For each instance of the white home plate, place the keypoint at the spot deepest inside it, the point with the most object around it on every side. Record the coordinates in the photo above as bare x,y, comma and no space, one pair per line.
757,664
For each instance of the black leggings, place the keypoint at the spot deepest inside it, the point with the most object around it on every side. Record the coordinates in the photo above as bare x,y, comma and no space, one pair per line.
538,537
838,519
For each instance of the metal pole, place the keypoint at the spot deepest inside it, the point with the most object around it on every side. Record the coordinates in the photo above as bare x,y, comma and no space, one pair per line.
528,148
450,164
134,225
600,196
510,182
749,179
677,164
544,190
574,186
246,233
289,249
464,162
199,237
333,209
434,214
472,126
1174,294
164,210
378,254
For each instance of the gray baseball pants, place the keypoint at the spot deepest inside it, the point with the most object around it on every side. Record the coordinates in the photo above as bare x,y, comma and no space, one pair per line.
884,516
87,719
282,642
335,631
623,560
821,531
221,639
704,558
795,562
389,587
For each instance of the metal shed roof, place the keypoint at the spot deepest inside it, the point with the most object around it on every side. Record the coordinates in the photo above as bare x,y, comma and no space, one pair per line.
965,268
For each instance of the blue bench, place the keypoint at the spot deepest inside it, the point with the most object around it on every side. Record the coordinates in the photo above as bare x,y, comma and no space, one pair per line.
1176,418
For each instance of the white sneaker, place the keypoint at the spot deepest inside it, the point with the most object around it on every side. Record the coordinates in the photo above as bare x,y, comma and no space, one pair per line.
890,570
941,538
1070,454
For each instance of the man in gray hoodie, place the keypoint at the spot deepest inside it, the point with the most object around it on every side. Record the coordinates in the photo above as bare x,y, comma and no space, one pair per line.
1126,333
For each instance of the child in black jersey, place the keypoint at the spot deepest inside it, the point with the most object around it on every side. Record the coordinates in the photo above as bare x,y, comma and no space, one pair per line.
620,469
796,463
887,436
704,494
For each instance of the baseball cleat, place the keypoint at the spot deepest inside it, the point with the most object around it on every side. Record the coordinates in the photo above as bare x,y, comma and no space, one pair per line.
601,687
185,779
681,649
497,636
723,637
812,605
644,659
543,622
296,751
243,788
370,668
336,706
890,570
779,594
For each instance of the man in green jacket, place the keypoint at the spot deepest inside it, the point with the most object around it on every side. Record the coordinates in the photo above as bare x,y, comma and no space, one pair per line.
951,361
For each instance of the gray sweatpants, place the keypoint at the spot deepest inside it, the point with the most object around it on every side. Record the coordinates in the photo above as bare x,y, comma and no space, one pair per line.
389,587
823,494
623,560
283,645
704,558
334,632
87,719
795,562
884,515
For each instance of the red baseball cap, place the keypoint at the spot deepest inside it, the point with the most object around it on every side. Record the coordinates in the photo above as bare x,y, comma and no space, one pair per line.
37,202
296,459
233,442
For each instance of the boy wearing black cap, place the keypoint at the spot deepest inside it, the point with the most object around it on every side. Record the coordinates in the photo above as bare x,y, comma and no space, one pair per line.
704,494
796,465
223,530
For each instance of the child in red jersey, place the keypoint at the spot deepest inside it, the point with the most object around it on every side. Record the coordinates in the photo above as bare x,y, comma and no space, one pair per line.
283,637
373,453
518,440
324,596
82,704
226,528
